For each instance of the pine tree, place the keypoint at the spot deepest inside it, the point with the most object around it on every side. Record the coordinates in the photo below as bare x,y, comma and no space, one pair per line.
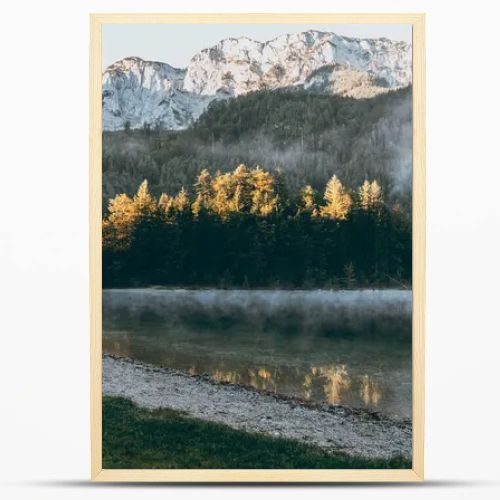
281,188
338,200
350,275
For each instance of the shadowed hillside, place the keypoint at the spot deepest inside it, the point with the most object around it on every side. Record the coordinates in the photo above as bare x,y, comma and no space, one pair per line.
309,137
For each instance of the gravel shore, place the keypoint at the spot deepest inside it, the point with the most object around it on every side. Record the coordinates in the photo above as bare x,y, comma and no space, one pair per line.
333,428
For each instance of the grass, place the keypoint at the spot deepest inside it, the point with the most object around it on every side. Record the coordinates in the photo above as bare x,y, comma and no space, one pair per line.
136,438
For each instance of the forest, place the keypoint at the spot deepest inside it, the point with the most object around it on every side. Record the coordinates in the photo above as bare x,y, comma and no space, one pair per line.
301,136
248,228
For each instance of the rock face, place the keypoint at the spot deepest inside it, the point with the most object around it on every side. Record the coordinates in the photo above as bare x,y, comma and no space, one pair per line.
238,66
139,92
136,92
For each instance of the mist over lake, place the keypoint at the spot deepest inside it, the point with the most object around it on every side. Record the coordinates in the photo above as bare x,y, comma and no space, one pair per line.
339,347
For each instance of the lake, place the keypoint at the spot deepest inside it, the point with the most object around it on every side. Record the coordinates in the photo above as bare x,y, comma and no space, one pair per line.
339,347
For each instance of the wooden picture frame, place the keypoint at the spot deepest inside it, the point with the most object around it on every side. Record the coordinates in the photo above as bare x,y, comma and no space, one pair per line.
302,476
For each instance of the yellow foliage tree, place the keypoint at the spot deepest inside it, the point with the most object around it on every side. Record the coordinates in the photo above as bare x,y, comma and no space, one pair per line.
181,201
221,203
242,189
203,188
307,198
117,227
124,213
364,193
263,197
144,202
166,204
370,195
338,200
121,210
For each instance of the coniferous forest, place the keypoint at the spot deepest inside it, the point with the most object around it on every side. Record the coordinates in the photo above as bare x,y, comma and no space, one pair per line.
304,137
329,205
247,228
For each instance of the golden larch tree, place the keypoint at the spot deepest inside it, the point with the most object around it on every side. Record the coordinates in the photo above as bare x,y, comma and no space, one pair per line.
307,198
144,202
221,187
364,193
338,200
203,189
375,194
242,189
117,226
181,201
264,200
166,204
370,195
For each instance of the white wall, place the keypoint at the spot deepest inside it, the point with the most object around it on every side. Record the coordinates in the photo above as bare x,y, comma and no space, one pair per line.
44,441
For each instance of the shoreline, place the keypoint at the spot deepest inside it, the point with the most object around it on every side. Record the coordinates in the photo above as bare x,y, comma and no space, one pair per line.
355,432
375,288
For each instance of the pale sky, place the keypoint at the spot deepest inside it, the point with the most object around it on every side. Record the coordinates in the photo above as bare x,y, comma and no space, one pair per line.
175,44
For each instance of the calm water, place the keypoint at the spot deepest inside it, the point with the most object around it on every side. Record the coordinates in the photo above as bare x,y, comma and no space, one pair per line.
342,347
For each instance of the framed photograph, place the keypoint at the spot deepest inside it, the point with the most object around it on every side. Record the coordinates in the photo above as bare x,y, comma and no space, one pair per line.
257,247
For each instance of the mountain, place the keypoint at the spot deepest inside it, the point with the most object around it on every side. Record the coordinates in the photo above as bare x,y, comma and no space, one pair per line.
136,92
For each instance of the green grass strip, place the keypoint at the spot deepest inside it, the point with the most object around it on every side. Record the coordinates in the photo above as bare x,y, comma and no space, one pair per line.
136,438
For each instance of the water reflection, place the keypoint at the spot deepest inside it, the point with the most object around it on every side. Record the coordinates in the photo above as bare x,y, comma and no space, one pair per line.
334,384
368,367
333,381
370,392
307,385
337,383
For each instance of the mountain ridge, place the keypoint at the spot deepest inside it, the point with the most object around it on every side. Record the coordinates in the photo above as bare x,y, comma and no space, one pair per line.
137,92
